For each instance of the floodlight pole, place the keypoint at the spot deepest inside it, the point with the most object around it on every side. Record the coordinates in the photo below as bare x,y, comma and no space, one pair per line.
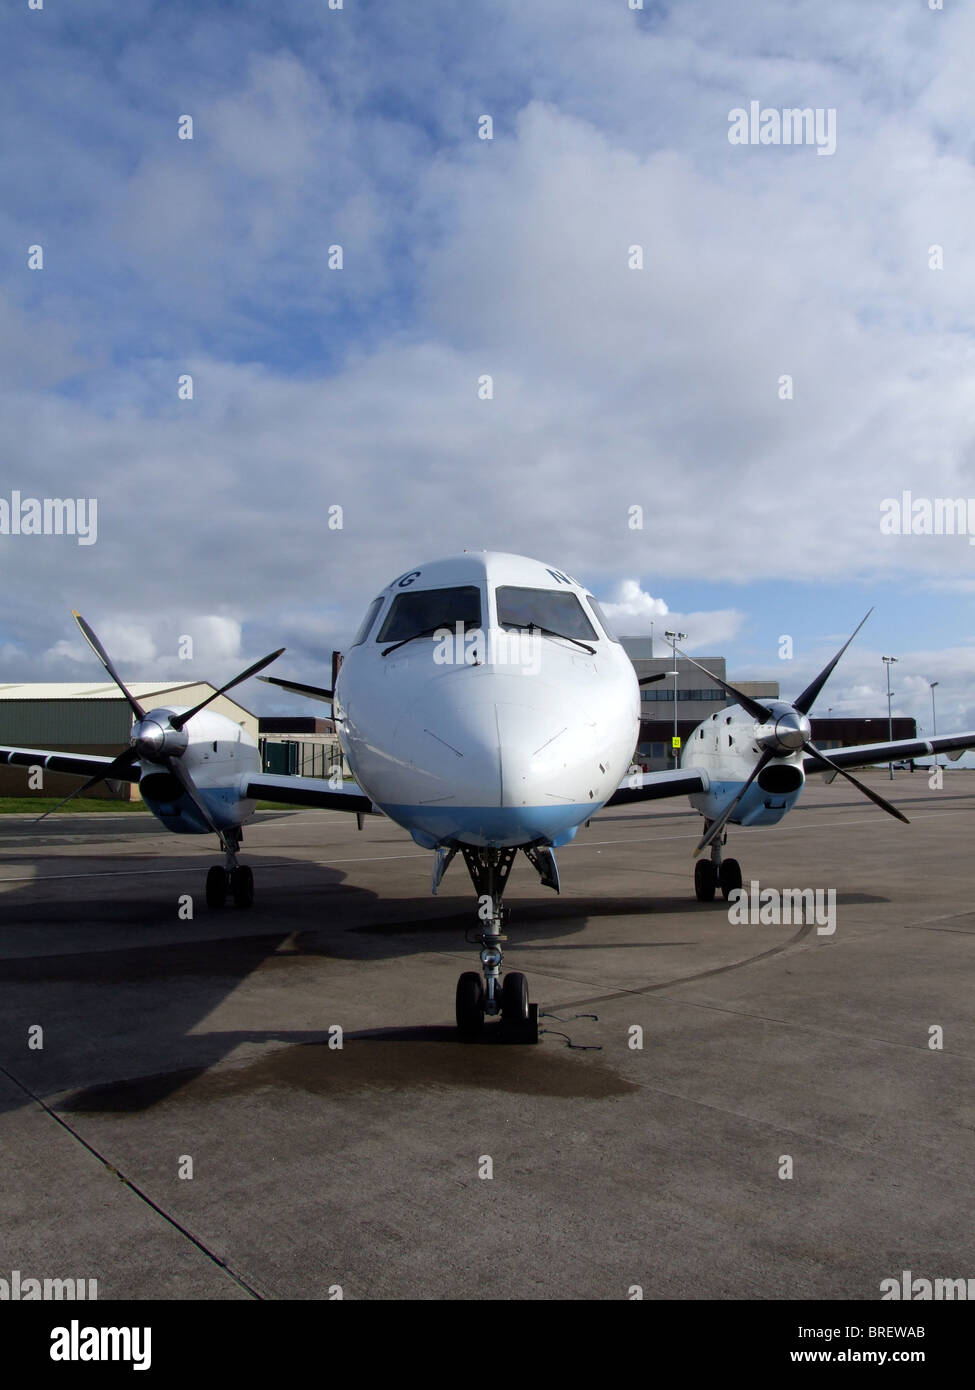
888,662
675,637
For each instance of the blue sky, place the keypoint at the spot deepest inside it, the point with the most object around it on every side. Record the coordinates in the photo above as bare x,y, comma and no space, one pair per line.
613,387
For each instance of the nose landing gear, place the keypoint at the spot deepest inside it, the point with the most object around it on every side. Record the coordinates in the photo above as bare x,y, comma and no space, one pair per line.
487,995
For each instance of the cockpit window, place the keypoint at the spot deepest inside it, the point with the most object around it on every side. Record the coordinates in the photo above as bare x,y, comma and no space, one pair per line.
603,620
544,608
425,610
367,622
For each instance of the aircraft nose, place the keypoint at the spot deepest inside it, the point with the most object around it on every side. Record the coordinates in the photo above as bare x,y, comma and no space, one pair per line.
504,751
512,761
511,774
455,757
547,754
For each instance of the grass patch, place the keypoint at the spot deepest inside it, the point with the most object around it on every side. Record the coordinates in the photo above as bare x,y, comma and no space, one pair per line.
10,805
37,805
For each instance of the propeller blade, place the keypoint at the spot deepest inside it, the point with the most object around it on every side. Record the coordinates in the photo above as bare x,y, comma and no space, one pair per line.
317,692
718,826
124,760
756,710
875,797
189,787
178,720
805,701
649,680
106,661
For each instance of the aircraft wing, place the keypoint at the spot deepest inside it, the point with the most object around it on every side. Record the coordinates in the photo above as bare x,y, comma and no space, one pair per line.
306,791
78,764
651,786
865,753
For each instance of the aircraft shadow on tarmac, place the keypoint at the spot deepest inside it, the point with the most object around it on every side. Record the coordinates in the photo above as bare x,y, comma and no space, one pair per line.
123,989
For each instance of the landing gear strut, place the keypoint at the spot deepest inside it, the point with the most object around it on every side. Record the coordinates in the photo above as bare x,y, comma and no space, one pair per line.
230,878
486,995
716,872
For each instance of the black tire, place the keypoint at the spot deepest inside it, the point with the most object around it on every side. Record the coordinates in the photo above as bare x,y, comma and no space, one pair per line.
242,886
704,880
514,999
216,888
729,877
470,1004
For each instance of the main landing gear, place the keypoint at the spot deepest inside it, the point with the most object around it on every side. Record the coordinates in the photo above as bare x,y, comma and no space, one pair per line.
487,995
716,872
230,878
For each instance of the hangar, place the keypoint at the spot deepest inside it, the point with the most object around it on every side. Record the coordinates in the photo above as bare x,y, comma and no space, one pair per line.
90,717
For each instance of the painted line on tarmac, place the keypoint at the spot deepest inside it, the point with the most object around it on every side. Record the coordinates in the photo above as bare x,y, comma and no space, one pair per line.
133,1187
694,835
378,858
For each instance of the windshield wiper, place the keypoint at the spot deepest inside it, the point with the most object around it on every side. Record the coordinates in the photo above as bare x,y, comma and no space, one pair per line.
550,632
424,632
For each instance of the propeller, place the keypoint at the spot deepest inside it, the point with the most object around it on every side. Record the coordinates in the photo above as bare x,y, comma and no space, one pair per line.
867,791
805,701
106,661
316,692
189,787
757,711
783,731
121,764
178,720
157,735
718,826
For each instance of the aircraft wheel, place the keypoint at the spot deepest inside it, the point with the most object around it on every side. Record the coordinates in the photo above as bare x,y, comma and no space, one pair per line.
729,876
470,1004
704,880
216,887
514,998
242,886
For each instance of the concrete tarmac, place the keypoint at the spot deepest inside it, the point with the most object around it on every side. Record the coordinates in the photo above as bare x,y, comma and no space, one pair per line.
797,1123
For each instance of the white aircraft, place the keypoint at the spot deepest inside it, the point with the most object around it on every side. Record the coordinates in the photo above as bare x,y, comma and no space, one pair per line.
485,706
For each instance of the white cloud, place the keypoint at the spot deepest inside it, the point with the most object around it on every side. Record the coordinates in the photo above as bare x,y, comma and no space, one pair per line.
632,602
215,638
612,387
151,649
707,632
